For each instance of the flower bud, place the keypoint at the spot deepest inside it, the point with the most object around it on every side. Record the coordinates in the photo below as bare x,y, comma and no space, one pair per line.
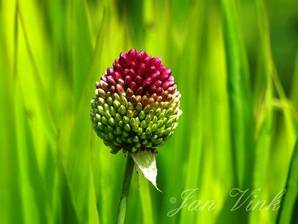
136,104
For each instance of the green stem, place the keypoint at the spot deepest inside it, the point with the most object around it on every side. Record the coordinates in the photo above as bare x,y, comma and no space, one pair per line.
125,189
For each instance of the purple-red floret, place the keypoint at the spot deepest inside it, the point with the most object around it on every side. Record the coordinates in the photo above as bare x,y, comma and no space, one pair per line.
137,73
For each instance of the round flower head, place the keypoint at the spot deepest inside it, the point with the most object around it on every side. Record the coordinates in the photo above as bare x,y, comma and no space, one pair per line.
136,104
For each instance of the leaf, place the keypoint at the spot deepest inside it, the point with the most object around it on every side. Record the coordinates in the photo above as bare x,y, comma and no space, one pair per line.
146,164
289,201
239,93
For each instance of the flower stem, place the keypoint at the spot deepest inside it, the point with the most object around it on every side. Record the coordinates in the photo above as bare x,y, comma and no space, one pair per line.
125,189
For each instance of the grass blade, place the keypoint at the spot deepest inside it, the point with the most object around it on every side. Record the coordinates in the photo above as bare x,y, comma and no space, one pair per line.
289,203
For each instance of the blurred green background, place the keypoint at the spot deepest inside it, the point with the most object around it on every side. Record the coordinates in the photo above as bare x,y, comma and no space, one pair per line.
236,66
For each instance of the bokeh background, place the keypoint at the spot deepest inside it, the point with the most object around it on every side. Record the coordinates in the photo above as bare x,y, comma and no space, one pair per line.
236,66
